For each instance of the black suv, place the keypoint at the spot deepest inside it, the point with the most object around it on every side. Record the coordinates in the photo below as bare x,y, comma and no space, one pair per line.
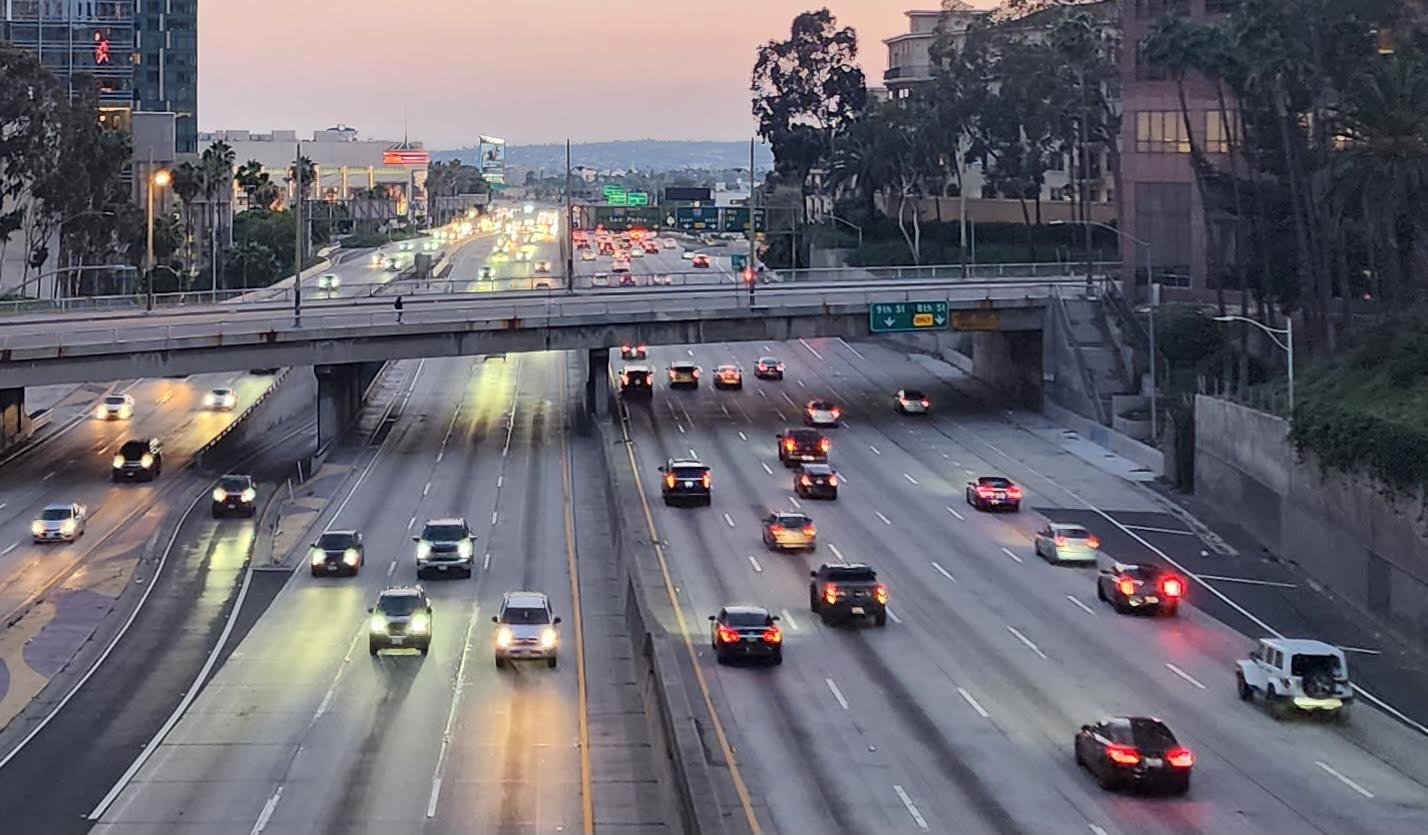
446,546
843,592
139,460
337,552
686,480
803,446
400,620
636,380
816,481
235,495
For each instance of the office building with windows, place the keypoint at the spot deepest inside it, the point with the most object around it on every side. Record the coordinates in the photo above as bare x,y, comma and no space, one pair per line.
80,37
166,64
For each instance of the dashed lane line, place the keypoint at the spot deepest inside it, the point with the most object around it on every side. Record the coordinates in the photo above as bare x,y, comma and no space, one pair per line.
1179,672
917,817
981,711
1011,554
1082,606
1343,779
944,572
837,694
1027,641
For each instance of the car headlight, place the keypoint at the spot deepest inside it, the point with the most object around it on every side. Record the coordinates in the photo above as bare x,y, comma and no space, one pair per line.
503,637
379,624
465,549
350,556
317,556
209,400
118,461
420,623
548,639
423,549
147,461
67,527
219,494
249,495
37,527
125,411
100,412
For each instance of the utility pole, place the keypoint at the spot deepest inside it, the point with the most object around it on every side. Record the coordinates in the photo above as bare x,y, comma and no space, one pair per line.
962,211
1085,181
297,229
569,239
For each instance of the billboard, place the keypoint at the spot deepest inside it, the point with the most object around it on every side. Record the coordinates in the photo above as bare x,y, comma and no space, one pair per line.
492,161
687,194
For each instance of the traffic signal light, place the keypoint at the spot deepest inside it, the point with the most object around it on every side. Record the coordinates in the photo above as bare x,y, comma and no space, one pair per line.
748,275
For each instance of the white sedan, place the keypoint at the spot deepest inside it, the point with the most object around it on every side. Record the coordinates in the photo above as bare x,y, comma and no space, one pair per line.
115,407
220,400
60,523
328,282
822,413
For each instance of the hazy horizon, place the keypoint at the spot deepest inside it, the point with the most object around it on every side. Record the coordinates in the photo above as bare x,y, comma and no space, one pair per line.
532,73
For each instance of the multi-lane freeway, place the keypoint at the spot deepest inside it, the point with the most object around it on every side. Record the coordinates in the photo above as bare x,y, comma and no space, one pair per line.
957,715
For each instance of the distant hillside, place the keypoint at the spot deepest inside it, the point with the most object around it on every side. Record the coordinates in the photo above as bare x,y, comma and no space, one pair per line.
640,154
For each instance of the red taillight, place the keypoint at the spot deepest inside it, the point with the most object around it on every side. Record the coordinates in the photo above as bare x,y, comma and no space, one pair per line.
824,444
880,593
773,635
809,530
1093,542
1123,754
1180,758
806,481
669,479
830,594
789,445
625,349
1127,586
696,373
708,480
642,349
1172,587
775,528
987,492
625,379
837,412
832,481
1014,492
1060,542
925,403
728,635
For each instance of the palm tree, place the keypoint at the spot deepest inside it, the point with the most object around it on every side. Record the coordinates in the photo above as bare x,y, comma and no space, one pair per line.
217,170
187,184
309,173
250,176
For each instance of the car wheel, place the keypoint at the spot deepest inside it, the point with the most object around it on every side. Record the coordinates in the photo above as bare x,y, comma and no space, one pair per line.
778,659
316,573
425,649
881,619
667,502
812,600
1120,606
1080,760
1275,704
1170,610
551,662
1181,787
719,657
500,663
1100,590
371,648
1242,687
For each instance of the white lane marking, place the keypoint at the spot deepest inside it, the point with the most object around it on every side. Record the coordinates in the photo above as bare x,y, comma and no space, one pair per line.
836,553
789,399
391,568
680,428
766,467
917,817
875,450
805,344
1178,531
781,416
767,349
486,561
1179,672
801,383
886,520
1009,553
761,393
440,455
844,478
1248,581
326,703
794,501
267,813
726,410
500,482
451,715
493,518
2,505
426,489
689,351
893,615
981,711
755,563
1361,650
729,519
1083,606
837,694
49,475
1025,640
959,516
693,454
851,348
1096,830
742,436
944,572
410,522
788,619
8,550
969,472
910,479
1346,781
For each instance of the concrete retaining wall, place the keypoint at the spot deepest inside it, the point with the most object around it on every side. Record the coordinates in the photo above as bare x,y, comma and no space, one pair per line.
1365,542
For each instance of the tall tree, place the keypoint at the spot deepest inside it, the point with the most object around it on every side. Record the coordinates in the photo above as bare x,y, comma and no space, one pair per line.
31,102
216,168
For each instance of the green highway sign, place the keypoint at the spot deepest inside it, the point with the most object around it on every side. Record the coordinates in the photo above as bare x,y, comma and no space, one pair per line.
697,218
613,190
736,219
891,317
638,198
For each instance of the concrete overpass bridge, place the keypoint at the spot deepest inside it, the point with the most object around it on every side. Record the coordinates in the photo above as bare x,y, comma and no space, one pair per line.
340,336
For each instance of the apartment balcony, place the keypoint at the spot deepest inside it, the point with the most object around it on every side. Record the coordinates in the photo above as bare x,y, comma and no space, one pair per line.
907,74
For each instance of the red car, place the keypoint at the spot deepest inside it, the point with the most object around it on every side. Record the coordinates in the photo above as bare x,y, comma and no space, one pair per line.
701,260
990,492
651,248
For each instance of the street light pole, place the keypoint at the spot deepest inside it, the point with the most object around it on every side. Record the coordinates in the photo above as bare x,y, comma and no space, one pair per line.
157,179
297,225
1274,333
569,239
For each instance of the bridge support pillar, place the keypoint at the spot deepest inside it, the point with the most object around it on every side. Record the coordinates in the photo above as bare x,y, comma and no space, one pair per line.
1010,361
597,382
340,392
14,422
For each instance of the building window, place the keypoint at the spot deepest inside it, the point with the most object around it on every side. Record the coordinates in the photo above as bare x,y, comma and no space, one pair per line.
1222,131
1158,8
1160,132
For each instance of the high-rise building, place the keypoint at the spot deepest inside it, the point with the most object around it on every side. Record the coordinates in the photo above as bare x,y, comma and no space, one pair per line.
166,64
80,37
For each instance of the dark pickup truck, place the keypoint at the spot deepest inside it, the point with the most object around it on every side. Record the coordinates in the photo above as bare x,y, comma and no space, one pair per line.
802,446
842,592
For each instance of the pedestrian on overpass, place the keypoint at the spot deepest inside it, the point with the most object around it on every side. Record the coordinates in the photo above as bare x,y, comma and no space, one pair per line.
397,305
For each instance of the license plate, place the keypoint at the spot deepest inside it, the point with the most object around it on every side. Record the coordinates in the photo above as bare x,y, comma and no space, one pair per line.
688,484
1154,762
1001,496
441,568
331,567
1152,600
857,610
398,639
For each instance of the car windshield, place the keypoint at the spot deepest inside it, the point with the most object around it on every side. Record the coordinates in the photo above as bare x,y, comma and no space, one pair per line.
912,394
690,472
399,605
994,481
820,405
637,373
222,392
853,575
234,484
56,514
443,533
335,541
1073,533
1151,735
134,449
792,520
682,366
767,361
746,619
114,401
817,469
525,616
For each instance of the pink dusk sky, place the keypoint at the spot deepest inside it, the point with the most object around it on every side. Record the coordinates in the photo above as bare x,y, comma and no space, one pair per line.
530,71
